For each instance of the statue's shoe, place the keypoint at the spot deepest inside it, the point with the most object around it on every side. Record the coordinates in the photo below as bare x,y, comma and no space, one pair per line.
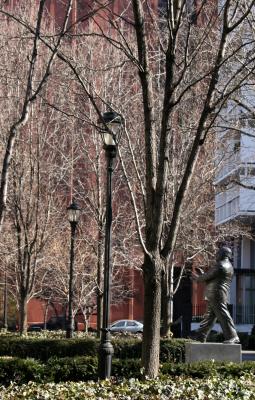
194,335
234,340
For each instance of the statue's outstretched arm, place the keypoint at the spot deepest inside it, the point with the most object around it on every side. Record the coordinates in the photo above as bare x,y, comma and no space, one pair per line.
209,275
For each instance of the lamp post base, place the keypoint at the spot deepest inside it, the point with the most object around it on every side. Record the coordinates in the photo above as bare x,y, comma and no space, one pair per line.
105,357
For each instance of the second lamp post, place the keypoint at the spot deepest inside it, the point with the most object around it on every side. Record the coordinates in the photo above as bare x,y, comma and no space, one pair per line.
111,131
73,217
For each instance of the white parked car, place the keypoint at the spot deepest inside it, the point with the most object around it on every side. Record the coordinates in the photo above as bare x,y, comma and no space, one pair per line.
126,325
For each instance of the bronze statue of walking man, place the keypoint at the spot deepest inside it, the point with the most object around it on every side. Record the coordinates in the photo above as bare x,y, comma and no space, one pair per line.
218,280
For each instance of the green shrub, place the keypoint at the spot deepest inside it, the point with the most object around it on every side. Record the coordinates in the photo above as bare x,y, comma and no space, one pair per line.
195,370
62,369
127,348
85,368
172,350
71,369
20,371
55,370
129,368
43,349
124,348
204,369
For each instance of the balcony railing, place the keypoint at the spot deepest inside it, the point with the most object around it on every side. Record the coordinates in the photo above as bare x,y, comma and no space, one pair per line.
198,311
231,164
241,314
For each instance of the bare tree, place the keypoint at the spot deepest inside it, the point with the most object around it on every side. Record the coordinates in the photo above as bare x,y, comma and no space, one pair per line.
180,70
198,238
197,48
31,83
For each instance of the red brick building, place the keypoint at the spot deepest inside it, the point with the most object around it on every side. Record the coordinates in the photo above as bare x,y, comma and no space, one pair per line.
38,310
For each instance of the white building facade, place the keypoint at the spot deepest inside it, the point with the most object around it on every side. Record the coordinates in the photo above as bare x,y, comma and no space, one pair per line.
235,202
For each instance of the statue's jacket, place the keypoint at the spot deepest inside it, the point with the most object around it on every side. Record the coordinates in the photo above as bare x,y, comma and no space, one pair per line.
218,280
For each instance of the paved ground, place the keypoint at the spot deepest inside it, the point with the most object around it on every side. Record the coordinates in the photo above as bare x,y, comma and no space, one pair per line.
248,355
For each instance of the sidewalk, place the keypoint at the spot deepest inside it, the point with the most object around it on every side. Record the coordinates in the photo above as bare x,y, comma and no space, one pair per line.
248,355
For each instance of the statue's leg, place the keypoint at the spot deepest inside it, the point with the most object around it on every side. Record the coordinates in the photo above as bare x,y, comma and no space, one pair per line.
226,322
206,324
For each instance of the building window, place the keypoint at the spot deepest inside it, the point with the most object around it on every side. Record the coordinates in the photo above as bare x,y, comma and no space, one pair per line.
251,122
245,296
252,254
250,171
162,4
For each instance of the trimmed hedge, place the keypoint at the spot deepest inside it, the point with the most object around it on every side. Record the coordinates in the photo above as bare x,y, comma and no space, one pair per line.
172,350
20,371
86,368
127,348
77,369
42,349
71,369
204,369
62,370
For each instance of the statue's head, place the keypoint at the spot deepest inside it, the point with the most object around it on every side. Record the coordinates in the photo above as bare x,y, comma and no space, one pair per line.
224,252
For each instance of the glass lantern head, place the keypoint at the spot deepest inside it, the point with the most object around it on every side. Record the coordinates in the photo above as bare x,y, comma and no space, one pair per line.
111,128
73,212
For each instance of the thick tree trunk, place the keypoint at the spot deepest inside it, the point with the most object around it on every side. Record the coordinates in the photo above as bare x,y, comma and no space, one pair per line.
152,303
23,314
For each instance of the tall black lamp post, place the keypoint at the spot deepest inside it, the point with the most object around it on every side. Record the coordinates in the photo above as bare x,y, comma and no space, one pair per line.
111,123
73,216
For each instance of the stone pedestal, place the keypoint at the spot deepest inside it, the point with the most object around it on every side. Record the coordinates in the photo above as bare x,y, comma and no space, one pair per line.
212,351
